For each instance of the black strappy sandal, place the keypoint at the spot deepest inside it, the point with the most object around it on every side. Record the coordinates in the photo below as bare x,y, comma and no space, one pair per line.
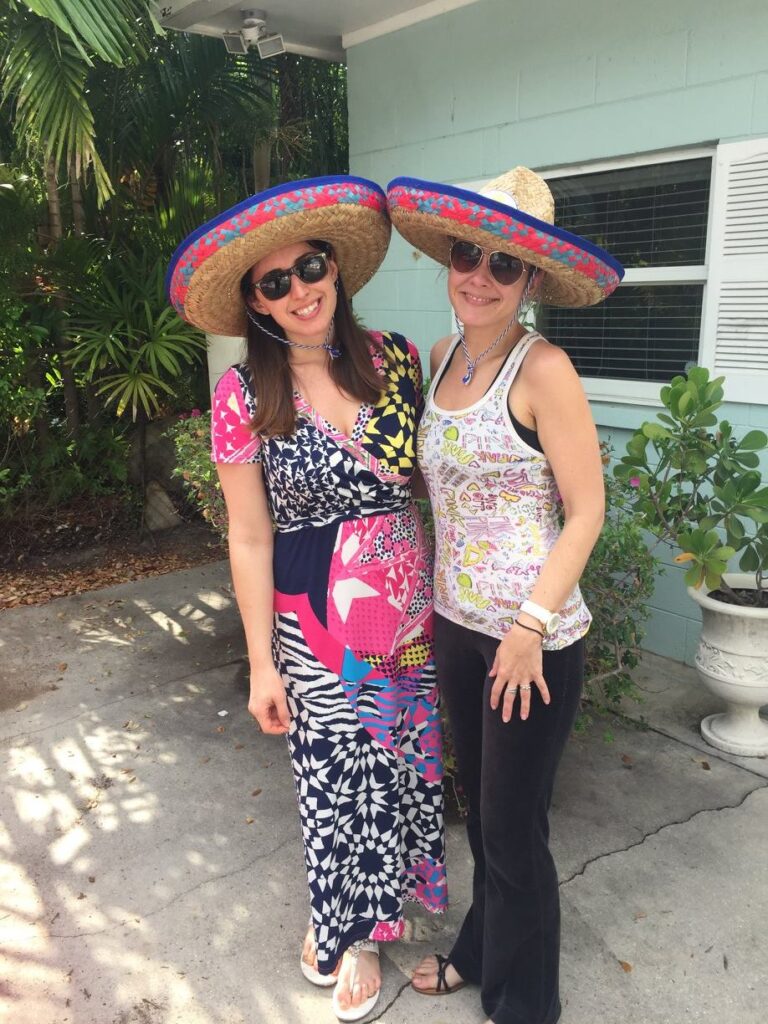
442,988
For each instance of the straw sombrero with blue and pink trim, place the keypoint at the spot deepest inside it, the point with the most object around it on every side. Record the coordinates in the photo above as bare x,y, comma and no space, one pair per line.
203,279
514,213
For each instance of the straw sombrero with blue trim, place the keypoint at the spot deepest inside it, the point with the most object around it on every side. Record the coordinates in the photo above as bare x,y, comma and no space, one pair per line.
203,279
514,213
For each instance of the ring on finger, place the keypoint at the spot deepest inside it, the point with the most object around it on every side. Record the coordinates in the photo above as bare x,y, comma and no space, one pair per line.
525,686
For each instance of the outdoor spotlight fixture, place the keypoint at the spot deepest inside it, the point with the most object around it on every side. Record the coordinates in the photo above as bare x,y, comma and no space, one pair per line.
270,46
234,42
254,33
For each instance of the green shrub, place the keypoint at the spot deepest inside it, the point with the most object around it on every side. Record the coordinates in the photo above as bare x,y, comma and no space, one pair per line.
700,488
617,583
191,436
36,479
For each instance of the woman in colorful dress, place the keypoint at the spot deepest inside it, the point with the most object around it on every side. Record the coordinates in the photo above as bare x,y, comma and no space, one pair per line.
507,447
314,435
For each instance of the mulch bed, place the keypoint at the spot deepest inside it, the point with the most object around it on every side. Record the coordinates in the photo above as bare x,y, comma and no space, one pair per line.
90,545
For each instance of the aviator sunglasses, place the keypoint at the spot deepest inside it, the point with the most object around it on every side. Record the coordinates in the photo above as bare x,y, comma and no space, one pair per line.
504,268
309,269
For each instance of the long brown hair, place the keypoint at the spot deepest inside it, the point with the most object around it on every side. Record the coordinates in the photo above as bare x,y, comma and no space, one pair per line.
353,372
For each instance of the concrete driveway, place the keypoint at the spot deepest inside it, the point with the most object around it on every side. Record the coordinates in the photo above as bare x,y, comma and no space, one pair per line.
150,858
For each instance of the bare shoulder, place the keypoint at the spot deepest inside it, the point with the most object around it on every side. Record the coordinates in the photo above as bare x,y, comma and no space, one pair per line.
547,366
438,352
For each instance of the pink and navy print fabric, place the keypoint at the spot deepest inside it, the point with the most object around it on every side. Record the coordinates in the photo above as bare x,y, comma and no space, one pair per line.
353,641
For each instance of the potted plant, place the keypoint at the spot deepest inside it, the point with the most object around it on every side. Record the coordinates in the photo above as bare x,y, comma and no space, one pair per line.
699,488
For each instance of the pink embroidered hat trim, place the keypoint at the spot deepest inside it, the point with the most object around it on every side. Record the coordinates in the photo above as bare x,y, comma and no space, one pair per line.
514,213
203,279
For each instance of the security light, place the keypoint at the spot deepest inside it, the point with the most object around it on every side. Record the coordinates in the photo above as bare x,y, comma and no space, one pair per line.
254,32
235,42
270,46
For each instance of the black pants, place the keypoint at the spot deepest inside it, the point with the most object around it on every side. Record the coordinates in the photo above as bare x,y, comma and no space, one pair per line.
509,942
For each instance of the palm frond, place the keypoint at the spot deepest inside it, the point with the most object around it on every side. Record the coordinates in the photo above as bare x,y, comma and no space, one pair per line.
117,31
45,76
190,102
134,388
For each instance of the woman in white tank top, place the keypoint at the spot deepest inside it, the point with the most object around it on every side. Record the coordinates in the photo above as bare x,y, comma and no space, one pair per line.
509,451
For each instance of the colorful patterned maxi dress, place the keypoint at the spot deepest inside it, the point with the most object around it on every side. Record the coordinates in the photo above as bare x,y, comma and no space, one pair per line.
353,641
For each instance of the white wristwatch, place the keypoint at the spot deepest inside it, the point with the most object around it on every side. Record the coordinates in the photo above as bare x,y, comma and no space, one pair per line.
549,620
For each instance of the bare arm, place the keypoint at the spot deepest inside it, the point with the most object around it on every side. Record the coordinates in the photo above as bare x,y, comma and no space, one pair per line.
569,439
250,553
551,394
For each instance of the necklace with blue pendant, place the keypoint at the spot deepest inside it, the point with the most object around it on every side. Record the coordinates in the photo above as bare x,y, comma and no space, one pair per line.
472,363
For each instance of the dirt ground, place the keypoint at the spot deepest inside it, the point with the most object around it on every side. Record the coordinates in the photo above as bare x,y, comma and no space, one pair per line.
92,545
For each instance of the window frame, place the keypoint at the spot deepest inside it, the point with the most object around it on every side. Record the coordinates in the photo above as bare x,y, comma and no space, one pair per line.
633,392
616,389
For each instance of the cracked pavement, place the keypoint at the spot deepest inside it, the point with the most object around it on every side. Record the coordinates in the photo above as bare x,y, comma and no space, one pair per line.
150,858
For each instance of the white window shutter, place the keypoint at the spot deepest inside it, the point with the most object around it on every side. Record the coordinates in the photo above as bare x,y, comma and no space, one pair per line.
735,320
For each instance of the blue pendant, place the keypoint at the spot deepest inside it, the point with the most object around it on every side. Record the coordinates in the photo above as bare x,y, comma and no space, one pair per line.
466,379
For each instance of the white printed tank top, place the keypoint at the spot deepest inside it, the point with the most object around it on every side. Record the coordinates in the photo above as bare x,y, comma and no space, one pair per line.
496,508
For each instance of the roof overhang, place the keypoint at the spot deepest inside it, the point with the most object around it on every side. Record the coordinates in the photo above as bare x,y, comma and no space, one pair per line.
320,28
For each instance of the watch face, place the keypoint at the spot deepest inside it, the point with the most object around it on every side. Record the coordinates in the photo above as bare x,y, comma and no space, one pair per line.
553,622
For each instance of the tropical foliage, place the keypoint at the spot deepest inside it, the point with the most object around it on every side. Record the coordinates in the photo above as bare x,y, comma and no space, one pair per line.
191,438
51,45
115,141
617,583
698,487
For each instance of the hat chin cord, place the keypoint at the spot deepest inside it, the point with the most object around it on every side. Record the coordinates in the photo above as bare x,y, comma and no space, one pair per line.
333,350
525,301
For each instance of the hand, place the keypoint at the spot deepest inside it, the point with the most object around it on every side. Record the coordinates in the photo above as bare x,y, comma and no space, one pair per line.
517,666
268,703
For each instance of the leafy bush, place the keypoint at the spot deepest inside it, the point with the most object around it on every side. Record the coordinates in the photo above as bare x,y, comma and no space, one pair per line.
191,437
126,339
36,477
41,471
700,488
617,583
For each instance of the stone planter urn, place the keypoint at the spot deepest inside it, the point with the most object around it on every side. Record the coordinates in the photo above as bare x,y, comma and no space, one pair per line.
732,661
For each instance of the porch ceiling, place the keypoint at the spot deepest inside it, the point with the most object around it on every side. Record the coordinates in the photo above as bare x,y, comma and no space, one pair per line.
320,28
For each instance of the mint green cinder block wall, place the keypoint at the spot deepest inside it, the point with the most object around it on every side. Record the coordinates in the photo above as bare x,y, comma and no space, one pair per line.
468,94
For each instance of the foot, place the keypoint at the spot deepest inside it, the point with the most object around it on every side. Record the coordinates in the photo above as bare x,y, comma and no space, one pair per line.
426,977
359,979
309,949
309,959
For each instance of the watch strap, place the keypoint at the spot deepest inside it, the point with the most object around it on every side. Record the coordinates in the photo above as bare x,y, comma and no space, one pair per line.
536,610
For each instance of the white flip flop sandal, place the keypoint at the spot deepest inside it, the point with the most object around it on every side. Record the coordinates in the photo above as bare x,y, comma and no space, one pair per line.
353,1013
312,974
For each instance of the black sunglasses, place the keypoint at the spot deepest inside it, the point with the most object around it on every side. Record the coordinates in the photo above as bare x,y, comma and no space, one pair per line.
505,269
277,283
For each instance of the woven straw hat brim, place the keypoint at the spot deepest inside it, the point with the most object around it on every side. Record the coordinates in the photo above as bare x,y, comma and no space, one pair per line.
203,280
429,215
